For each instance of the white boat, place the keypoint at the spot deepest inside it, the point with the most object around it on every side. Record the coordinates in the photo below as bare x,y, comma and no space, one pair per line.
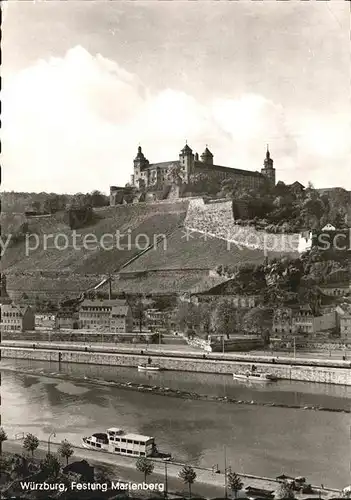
149,368
98,441
255,377
117,441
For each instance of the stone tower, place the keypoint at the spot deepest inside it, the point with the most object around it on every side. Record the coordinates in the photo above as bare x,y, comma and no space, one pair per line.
268,170
186,161
207,157
140,162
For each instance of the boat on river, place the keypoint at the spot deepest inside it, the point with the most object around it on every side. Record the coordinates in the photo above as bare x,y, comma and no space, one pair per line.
255,377
149,368
118,441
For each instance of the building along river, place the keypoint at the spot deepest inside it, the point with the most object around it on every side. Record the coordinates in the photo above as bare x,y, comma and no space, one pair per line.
262,440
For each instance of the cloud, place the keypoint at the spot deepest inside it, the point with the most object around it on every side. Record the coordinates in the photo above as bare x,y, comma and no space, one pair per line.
73,124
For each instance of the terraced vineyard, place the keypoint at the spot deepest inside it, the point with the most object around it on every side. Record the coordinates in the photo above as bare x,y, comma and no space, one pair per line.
191,250
57,287
175,259
55,245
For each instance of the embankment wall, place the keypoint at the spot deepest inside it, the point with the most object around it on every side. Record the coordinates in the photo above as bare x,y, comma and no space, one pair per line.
217,220
319,374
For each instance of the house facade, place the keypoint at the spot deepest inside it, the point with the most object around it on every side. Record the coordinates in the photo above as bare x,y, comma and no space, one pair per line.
16,318
160,320
47,321
67,320
300,320
237,301
344,321
336,289
112,316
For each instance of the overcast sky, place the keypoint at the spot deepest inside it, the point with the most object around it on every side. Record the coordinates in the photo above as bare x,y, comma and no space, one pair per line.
86,82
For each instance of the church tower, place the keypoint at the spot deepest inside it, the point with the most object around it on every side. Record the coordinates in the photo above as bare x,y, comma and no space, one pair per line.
268,170
140,163
186,162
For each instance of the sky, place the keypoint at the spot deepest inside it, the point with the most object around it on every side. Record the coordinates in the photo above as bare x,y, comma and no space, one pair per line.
86,82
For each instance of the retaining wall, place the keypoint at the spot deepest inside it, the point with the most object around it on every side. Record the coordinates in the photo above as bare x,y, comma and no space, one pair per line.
217,220
322,374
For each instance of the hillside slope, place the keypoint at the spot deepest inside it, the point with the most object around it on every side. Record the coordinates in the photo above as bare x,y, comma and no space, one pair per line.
190,250
52,246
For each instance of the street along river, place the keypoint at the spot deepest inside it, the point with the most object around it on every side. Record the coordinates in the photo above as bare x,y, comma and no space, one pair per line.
258,440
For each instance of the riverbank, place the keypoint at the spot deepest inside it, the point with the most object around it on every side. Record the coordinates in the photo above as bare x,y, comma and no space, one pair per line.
208,483
168,392
319,371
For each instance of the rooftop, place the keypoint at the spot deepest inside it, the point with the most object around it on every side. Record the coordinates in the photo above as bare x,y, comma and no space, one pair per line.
22,309
229,169
104,303
138,437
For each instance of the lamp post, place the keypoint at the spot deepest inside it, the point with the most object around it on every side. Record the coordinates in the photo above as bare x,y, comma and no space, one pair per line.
53,434
166,481
225,474
294,347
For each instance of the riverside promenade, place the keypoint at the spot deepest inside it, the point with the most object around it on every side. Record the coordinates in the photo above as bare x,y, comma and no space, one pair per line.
310,369
208,483
331,355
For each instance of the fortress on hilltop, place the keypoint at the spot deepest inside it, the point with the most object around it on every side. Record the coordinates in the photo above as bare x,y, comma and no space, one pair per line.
183,171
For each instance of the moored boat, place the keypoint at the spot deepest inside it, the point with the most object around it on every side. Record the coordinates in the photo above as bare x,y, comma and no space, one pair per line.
255,377
98,441
117,441
149,368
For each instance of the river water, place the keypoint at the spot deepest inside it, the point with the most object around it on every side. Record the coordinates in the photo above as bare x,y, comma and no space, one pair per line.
258,440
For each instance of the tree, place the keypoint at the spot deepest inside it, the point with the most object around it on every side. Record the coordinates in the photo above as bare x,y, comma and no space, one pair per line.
4,464
234,483
188,317
284,492
225,319
145,466
19,466
98,199
30,443
258,320
51,466
188,476
65,450
139,309
3,437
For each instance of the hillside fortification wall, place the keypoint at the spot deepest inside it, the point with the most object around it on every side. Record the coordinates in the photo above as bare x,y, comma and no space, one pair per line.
217,220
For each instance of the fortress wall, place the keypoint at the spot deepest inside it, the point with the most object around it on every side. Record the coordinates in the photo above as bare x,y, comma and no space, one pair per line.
217,220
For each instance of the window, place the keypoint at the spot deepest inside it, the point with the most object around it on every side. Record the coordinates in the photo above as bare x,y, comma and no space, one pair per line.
118,450
129,452
142,454
98,445
123,440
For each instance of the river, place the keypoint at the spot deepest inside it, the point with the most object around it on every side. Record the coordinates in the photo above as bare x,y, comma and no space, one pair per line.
257,440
